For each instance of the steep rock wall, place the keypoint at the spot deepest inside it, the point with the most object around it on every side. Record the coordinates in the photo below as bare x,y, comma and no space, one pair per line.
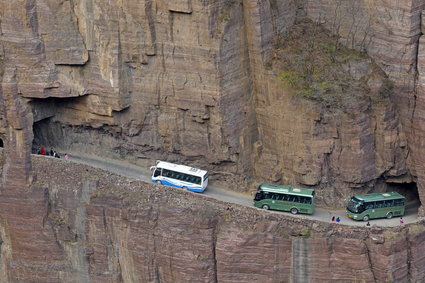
197,82
391,33
100,226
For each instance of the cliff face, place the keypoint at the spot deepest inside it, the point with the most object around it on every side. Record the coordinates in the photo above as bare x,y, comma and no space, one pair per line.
391,33
89,225
198,82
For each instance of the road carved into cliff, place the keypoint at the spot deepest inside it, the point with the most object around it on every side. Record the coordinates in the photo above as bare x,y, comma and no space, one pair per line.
220,193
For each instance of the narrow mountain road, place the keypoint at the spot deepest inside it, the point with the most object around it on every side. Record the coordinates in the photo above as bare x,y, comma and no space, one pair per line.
217,192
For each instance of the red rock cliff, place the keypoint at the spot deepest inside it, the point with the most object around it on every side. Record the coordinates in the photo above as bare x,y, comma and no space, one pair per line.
96,226
198,82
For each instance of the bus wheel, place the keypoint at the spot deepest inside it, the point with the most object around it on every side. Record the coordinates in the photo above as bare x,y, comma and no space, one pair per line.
266,207
158,182
390,215
366,218
294,210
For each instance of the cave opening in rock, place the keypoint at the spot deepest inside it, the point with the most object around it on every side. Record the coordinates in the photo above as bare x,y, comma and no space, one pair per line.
409,190
44,135
47,130
1,143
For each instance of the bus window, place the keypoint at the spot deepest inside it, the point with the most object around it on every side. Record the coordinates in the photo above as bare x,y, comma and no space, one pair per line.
369,205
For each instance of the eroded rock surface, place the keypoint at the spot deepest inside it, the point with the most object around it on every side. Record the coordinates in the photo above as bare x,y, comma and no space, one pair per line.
198,83
100,226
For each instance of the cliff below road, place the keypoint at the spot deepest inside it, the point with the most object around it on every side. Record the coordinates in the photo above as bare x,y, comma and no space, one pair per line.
88,225
307,93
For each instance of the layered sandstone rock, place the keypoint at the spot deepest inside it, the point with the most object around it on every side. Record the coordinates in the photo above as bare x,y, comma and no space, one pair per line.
390,32
99,226
196,82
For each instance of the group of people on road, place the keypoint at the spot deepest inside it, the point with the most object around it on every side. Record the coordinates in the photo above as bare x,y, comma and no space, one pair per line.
53,153
337,219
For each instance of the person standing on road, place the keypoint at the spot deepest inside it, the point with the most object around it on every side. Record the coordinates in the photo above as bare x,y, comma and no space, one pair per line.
66,156
333,219
337,219
401,220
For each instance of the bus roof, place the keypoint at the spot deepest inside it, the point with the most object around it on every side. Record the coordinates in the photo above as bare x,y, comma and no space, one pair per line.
286,189
379,196
181,168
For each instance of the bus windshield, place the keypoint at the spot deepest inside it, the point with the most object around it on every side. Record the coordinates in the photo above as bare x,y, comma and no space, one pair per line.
355,205
259,196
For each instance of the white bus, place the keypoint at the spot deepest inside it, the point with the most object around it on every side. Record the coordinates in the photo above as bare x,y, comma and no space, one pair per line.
181,176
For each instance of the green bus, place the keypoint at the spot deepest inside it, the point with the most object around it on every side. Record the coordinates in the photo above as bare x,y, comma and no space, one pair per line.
376,205
295,200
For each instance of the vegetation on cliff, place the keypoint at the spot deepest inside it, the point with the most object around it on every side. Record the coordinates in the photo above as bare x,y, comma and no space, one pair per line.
316,66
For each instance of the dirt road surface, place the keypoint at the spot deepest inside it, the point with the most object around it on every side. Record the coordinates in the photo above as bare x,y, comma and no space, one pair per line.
220,193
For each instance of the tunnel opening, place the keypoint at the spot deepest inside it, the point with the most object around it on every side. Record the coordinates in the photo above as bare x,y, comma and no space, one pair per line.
44,135
47,130
48,135
409,191
1,143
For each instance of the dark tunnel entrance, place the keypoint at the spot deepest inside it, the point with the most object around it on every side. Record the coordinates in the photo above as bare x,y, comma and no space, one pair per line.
47,135
410,191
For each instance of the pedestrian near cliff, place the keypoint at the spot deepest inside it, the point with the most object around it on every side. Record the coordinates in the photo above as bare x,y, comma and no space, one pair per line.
368,224
401,220
51,152
333,218
42,150
337,219
66,156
